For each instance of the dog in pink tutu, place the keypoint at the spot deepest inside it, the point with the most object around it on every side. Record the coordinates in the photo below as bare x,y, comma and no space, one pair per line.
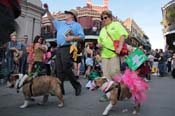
129,85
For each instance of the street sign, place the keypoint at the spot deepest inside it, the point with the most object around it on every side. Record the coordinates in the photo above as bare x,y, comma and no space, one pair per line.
135,59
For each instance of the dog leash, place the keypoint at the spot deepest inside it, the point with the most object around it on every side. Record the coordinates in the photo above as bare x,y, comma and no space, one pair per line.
31,82
115,53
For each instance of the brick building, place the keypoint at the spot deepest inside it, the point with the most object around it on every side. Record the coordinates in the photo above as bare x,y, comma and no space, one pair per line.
89,18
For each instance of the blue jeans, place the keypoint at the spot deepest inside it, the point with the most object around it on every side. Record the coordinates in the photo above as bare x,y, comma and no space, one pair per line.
23,64
162,68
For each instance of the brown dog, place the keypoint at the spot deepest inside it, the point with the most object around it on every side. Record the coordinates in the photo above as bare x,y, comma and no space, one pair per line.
39,86
114,91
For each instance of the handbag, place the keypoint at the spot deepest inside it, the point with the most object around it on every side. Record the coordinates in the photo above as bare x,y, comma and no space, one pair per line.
124,50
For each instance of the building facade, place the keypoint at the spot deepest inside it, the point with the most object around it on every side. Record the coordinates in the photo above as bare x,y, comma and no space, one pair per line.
89,18
29,23
168,22
137,37
98,8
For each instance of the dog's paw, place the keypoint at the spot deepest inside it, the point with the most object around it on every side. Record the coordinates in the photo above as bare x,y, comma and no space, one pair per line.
60,105
134,112
40,103
104,114
125,110
26,103
23,106
8,84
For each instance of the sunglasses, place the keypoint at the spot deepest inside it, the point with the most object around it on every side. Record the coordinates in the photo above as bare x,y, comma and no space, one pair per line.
104,18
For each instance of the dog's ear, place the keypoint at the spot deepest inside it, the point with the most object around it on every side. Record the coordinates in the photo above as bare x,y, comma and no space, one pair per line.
14,77
104,80
10,75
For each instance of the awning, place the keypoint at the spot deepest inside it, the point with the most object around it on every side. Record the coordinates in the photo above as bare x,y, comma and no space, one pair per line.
91,37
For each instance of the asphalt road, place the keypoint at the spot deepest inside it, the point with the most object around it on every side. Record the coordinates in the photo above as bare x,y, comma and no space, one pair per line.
160,102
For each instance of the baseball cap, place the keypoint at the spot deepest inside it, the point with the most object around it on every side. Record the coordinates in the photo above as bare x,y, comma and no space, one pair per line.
26,36
73,12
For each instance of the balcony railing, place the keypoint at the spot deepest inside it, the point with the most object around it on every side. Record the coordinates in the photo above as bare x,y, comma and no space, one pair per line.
48,35
170,28
91,32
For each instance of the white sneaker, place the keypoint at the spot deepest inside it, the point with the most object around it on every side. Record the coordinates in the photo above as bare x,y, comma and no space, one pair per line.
146,80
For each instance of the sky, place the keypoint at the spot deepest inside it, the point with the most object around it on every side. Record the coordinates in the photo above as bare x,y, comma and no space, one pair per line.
146,13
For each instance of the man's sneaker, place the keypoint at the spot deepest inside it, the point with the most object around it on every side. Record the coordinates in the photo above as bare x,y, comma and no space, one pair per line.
103,98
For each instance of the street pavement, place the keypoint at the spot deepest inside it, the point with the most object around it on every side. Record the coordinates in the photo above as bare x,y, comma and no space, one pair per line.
160,102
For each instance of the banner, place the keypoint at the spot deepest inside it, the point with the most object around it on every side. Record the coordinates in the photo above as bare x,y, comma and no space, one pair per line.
135,59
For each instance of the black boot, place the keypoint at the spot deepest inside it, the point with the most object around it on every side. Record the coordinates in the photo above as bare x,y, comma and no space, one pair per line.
78,91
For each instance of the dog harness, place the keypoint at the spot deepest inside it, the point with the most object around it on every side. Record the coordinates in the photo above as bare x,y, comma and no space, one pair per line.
106,86
21,82
30,85
111,88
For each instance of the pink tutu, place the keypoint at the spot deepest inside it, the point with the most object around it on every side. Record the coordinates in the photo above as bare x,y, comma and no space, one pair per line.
136,85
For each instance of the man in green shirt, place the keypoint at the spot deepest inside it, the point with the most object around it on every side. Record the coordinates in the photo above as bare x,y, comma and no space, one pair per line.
115,31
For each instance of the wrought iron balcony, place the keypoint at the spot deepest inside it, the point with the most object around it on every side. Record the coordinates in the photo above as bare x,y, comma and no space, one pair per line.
48,35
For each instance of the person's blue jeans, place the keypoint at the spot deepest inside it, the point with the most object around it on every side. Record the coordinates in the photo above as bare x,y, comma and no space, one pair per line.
23,64
162,68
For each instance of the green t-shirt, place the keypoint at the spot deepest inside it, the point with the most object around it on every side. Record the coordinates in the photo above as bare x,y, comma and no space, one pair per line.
116,30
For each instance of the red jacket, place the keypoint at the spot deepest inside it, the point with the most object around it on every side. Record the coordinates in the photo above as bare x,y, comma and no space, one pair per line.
145,68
